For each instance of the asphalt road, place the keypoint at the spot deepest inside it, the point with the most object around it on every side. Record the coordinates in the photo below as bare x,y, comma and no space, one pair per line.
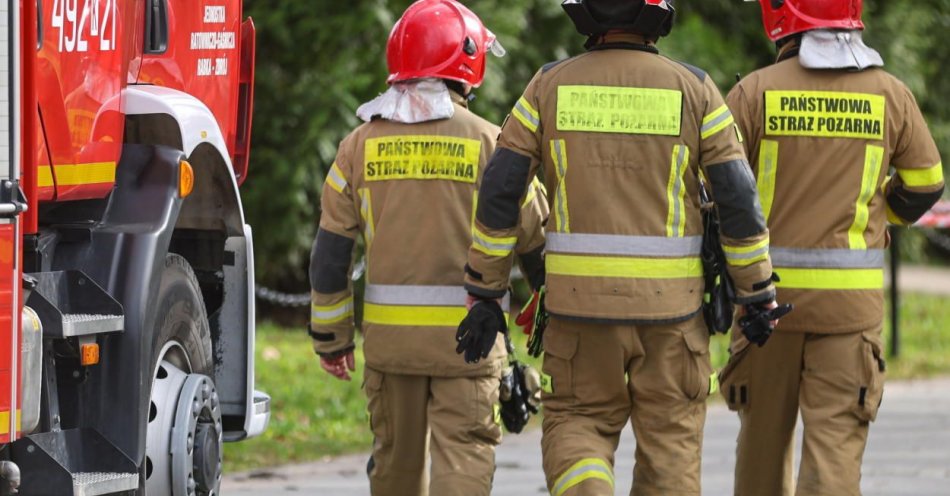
908,454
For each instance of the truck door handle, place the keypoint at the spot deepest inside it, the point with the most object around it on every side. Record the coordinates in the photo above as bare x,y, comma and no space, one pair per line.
39,24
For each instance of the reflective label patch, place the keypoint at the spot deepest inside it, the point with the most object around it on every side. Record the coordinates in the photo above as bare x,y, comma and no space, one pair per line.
547,384
824,114
613,109
421,157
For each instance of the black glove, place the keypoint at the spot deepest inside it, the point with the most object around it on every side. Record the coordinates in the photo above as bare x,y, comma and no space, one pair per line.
520,396
477,333
756,324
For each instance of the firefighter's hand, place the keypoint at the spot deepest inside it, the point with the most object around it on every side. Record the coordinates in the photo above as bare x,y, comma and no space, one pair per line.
339,364
760,320
477,332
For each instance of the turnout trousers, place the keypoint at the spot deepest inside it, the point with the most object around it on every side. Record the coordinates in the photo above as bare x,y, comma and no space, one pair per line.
835,380
453,418
597,378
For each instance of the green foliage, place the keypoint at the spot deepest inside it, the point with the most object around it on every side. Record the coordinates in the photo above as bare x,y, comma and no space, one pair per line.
319,60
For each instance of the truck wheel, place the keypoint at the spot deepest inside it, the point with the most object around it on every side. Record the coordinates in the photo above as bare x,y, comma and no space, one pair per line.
184,436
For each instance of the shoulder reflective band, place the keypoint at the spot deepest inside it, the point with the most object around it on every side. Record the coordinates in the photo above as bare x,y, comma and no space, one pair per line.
841,279
873,158
399,305
824,114
562,217
625,267
335,178
718,120
587,468
489,245
526,115
616,109
366,211
747,255
422,157
920,178
765,179
676,193
616,244
830,258
331,314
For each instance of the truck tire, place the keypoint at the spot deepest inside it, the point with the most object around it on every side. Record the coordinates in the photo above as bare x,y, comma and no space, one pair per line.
183,441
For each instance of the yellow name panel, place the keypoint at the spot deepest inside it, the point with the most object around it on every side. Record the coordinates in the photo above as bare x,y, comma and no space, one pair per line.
824,114
421,157
614,109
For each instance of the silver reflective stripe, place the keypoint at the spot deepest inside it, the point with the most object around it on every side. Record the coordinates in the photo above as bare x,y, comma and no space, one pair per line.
614,244
526,114
568,479
332,314
746,256
488,245
715,122
336,178
841,258
432,296
560,193
678,205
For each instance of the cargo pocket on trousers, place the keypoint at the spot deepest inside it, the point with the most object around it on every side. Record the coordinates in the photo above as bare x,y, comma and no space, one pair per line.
375,403
557,377
734,377
871,392
698,377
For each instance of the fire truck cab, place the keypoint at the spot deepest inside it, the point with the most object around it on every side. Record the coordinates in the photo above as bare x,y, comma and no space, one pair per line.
126,264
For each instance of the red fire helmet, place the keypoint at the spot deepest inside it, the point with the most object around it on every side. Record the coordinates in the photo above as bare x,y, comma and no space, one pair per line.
787,17
439,39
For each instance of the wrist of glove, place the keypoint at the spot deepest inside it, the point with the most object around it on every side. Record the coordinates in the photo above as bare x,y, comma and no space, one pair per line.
760,319
520,396
479,329
336,355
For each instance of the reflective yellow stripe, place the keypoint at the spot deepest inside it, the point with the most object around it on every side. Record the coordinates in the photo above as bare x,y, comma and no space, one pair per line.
45,176
366,211
893,218
676,194
830,278
335,178
562,216
5,421
713,383
629,267
331,314
532,192
765,179
412,315
587,468
930,176
824,114
77,175
720,119
498,247
873,158
746,255
526,114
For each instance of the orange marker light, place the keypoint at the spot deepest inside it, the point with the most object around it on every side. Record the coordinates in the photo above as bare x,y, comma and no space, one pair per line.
186,179
89,354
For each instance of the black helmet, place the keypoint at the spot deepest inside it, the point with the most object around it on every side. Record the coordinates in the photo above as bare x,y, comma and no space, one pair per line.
650,18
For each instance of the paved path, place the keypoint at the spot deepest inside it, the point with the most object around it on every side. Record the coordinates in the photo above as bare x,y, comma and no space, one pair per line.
908,454
922,279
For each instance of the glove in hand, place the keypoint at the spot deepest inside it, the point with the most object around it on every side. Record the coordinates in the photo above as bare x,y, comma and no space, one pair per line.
520,396
759,321
477,333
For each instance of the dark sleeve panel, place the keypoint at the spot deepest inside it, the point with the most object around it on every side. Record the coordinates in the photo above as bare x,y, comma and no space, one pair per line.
737,199
330,262
503,185
532,266
911,205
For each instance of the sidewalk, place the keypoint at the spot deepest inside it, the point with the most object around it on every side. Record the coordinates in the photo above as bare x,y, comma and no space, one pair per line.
908,454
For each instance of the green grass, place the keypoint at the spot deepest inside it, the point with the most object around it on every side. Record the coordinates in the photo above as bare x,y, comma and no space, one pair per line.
315,415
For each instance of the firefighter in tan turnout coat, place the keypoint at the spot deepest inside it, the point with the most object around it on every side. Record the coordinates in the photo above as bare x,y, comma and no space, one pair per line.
822,127
407,182
622,134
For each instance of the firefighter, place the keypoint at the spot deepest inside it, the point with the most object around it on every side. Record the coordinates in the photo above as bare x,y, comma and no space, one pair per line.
823,126
621,134
406,180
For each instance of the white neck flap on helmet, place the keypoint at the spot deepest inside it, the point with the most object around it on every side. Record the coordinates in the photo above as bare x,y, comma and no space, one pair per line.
837,49
410,102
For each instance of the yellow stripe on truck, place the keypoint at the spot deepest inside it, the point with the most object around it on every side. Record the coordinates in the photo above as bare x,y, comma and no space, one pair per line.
77,175
5,421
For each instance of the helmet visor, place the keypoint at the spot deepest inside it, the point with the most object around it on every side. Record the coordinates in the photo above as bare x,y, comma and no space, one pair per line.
494,46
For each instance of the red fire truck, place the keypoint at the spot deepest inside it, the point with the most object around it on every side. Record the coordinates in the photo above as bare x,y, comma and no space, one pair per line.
126,265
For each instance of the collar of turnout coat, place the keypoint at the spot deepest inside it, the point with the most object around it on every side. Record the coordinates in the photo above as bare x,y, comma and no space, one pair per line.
837,49
622,40
412,102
